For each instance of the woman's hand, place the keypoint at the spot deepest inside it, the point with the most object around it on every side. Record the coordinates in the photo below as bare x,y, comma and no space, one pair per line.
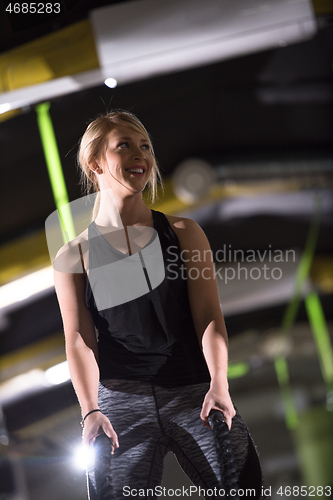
95,424
217,398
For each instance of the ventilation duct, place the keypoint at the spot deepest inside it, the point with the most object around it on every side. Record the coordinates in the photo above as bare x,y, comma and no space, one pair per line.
140,39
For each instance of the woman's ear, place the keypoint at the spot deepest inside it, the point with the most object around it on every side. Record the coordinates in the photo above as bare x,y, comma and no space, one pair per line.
95,167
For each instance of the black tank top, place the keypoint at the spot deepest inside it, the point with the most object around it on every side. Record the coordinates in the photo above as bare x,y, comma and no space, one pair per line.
152,337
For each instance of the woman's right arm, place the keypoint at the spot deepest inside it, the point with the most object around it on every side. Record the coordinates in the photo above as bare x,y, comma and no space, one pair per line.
82,353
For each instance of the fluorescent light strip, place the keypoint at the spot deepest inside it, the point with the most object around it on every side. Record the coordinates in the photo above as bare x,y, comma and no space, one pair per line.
25,287
33,381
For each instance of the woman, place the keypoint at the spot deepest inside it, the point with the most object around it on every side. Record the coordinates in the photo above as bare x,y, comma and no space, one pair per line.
159,366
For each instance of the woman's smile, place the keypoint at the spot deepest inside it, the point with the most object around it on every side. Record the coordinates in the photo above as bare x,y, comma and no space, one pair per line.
136,170
128,156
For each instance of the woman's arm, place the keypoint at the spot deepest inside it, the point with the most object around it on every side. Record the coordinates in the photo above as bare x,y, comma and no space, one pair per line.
207,315
81,351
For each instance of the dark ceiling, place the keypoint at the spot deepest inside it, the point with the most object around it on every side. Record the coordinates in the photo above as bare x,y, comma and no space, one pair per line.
219,112
273,105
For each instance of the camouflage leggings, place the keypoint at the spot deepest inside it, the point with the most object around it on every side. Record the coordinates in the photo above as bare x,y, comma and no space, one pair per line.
151,421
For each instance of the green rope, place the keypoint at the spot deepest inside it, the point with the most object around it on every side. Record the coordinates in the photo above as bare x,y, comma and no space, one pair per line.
303,270
282,373
54,168
289,318
323,343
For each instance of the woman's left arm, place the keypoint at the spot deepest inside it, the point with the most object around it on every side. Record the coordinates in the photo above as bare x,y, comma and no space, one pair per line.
207,315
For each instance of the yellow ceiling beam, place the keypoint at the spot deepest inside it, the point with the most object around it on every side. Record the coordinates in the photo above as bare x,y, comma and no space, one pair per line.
64,52
23,255
322,7
10,114
40,354
68,51
25,72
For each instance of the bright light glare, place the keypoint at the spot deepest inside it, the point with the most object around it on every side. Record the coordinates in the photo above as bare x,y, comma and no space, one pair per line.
84,456
58,374
111,83
5,107
22,384
25,287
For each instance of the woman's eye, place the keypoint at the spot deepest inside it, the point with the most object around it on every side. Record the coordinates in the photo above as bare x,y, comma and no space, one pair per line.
127,145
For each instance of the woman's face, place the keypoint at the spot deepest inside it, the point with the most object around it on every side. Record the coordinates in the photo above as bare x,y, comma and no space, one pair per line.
128,161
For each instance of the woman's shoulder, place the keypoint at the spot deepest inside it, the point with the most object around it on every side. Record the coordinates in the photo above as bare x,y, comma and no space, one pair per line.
69,257
182,224
187,230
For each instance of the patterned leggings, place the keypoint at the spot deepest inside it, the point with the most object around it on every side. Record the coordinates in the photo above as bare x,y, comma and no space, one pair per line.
151,421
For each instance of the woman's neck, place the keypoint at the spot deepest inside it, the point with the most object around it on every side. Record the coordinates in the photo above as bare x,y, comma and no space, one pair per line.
116,212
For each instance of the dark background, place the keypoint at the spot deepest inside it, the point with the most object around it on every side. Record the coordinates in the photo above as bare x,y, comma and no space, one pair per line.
272,106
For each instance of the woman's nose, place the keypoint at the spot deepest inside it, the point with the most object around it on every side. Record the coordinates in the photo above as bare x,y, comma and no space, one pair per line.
138,154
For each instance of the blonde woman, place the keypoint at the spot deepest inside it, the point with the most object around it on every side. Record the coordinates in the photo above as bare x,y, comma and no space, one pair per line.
149,382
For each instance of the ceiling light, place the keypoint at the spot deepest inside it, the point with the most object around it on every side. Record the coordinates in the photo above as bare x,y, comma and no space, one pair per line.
111,83
4,107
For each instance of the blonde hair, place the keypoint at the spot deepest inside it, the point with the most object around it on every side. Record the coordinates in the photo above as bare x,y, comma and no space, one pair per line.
93,146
